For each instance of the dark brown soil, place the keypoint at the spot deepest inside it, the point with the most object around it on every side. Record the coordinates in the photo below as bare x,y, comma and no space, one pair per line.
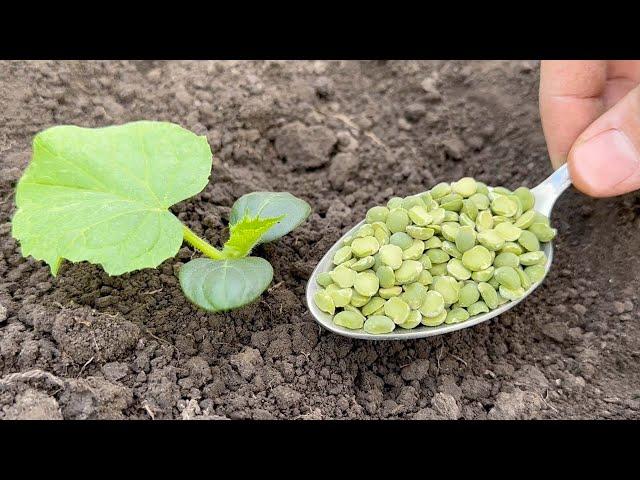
344,136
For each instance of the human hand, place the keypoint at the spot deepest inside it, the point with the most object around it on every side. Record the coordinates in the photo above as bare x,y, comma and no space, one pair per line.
591,119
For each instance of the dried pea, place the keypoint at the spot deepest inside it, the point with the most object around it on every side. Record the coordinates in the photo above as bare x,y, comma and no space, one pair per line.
397,220
524,279
366,283
437,215
450,249
348,319
533,258
343,276
488,294
397,310
465,187
412,201
381,233
508,277
490,240
469,209
324,279
377,214
394,202
377,324
408,272
450,216
457,270
511,293
454,204
508,231
456,315
477,258
387,293
420,216
324,302
511,247
484,221
501,191
365,230
425,277
363,264
529,241
506,259
447,287
469,294
414,294
438,270
526,197
386,276
433,242
525,220
450,230
365,246
412,321
358,300
480,200
477,308
351,308
440,190
542,231
401,239
421,233
535,273
465,221
483,275
342,255
415,251
504,206
433,304
434,321
391,255
437,255
465,239
341,296
375,304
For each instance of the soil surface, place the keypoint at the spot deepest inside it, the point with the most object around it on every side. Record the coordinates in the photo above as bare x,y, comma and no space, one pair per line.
344,136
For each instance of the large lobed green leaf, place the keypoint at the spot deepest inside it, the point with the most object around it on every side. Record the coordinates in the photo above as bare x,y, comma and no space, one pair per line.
220,285
102,195
245,234
271,204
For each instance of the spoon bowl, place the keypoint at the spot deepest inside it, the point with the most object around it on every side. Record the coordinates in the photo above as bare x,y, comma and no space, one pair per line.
545,194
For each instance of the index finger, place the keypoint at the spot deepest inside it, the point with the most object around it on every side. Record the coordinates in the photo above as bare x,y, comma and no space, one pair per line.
571,98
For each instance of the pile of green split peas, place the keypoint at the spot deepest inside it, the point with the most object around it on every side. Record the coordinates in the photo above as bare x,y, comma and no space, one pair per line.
442,256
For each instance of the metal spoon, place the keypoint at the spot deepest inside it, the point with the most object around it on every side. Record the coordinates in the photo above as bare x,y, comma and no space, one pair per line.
545,194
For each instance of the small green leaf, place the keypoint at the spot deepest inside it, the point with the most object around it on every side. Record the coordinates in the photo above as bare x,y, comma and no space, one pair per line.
103,194
245,235
219,285
272,204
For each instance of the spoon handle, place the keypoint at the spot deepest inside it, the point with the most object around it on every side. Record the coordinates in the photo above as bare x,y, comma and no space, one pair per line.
550,190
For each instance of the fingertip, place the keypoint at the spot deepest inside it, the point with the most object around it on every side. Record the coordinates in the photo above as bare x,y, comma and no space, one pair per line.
605,165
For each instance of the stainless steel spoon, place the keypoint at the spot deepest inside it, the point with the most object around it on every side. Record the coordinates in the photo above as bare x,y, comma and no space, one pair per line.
545,194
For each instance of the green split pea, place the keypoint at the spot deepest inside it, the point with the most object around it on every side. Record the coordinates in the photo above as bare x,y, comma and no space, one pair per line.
458,250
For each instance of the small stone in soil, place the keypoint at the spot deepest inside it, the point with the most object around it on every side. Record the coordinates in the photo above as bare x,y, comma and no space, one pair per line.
414,112
3,313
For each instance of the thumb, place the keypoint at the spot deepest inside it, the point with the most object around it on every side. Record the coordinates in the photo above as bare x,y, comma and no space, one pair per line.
605,159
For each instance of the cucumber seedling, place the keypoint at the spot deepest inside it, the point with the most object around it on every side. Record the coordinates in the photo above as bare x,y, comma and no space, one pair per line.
103,195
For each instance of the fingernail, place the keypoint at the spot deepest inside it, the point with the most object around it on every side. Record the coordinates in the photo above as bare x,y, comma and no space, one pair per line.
605,160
